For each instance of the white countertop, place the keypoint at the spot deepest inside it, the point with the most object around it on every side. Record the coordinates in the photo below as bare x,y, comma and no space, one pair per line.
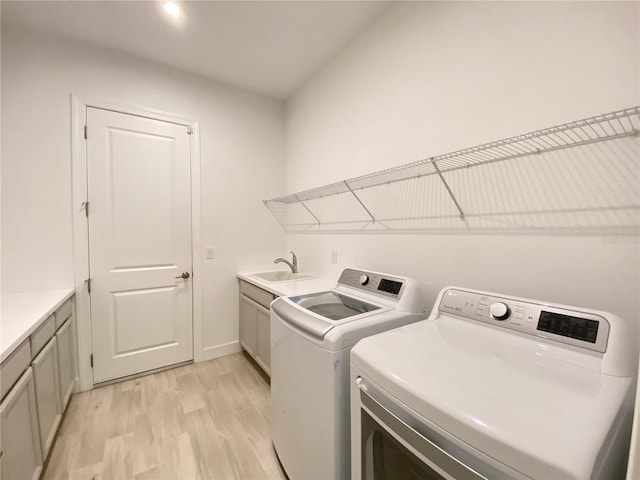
23,312
288,288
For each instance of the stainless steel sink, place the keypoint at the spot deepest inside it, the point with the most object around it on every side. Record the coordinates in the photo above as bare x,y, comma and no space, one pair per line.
281,276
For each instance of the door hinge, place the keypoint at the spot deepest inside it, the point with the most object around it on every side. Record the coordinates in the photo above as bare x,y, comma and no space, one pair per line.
88,282
85,205
189,130
85,131
91,359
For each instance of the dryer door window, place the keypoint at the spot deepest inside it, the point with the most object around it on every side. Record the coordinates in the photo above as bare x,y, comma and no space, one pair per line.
396,444
385,458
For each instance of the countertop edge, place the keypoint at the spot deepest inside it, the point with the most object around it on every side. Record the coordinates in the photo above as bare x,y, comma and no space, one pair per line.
65,294
253,281
288,288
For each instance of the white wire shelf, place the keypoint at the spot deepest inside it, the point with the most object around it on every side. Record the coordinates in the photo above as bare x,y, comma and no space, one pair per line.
590,168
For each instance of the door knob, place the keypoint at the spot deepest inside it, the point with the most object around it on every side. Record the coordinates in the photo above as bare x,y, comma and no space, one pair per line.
184,275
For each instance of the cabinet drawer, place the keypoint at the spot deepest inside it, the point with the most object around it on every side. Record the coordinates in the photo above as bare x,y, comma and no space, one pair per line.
43,334
256,294
63,313
14,366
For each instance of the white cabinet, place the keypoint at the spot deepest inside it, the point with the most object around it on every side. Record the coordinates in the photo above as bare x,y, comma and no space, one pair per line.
21,456
66,361
47,382
255,323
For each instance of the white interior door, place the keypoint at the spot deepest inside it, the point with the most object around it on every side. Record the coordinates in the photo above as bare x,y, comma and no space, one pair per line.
139,193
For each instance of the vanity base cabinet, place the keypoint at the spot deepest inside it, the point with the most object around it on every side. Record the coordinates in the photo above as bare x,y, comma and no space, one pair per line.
37,380
255,323
20,454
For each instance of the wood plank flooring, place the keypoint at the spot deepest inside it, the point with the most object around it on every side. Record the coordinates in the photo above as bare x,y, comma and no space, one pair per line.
207,420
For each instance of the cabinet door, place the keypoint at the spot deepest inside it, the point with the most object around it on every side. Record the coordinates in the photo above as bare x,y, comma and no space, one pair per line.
248,326
47,382
264,338
21,456
66,361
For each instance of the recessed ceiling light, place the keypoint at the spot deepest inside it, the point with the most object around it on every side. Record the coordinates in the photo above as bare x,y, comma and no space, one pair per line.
172,9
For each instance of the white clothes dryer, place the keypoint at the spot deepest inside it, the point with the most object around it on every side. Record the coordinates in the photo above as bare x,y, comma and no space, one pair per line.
311,336
492,386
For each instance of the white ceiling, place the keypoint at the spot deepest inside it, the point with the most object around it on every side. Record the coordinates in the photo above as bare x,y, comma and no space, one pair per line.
270,47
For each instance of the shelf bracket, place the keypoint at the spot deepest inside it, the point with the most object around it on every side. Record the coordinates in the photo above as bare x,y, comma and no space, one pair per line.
307,209
446,185
360,202
281,221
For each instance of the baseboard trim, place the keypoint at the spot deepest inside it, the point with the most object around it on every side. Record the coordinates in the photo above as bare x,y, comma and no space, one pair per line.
209,353
141,374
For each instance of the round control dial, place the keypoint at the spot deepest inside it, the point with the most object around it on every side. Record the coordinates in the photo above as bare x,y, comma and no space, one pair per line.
364,279
500,311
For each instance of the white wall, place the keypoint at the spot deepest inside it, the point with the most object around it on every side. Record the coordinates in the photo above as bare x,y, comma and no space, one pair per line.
429,78
242,152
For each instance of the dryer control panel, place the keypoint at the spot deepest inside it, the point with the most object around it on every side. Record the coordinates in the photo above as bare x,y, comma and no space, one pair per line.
572,327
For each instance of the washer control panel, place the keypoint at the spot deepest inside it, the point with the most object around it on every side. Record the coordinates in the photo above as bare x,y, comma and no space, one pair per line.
572,327
375,283
499,311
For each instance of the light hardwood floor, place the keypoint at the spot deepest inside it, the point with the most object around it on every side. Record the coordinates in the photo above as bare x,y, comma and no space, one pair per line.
201,421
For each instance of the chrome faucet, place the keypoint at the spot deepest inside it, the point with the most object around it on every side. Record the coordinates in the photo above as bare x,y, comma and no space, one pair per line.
292,265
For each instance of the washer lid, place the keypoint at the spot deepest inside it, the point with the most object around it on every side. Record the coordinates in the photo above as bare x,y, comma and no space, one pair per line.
306,314
500,393
333,305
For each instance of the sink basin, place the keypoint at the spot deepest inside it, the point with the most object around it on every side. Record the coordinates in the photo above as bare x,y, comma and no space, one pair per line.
281,276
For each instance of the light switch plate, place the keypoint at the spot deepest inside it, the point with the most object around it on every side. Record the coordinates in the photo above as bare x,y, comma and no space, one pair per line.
334,256
209,253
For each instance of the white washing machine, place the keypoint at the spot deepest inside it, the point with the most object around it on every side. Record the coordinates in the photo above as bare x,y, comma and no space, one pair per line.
491,386
311,336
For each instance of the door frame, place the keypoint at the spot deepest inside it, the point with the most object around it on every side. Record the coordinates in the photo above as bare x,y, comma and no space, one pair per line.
79,107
